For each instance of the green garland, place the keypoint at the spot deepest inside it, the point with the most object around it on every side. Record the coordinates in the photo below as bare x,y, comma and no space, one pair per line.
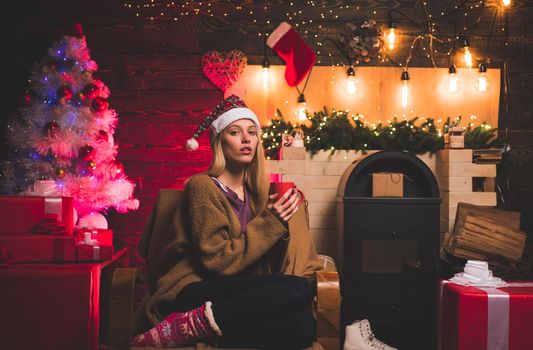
337,130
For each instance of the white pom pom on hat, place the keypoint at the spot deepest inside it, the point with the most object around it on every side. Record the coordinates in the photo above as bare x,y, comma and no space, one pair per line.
226,112
191,144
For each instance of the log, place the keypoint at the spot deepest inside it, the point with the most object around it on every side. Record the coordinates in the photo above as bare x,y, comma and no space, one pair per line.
489,227
468,254
507,218
482,237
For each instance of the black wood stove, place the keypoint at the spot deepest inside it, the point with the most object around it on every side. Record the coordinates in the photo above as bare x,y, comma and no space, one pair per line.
389,251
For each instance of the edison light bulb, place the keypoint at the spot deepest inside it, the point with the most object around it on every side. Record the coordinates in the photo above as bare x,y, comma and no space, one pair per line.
266,73
467,54
350,85
506,2
405,92
468,57
391,37
350,82
300,111
482,84
266,76
453,83
405,89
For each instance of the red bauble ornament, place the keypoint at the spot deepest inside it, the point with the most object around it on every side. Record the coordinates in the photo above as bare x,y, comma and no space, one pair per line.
90,91
26,98
102,136
51,129
120,168
86,152
100,104
65,92
61,173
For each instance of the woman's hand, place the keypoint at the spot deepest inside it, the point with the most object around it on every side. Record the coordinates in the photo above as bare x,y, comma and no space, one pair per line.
284,207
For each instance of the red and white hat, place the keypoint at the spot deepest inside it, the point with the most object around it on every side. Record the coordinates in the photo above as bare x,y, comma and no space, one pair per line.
226,112
290,47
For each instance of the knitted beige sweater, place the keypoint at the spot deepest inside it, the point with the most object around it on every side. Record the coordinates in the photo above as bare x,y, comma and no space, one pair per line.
195,234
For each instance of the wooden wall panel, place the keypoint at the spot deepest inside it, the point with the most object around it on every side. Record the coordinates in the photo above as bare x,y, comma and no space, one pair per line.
166,133
163,153
153,72
162,103
132,40
168,169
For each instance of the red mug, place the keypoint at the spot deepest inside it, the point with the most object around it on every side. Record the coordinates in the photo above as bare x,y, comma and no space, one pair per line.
284,186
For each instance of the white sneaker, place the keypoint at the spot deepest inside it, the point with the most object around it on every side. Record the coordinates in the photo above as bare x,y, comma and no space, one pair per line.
359,336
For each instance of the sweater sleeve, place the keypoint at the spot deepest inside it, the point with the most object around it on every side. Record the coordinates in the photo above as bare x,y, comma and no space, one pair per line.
220,249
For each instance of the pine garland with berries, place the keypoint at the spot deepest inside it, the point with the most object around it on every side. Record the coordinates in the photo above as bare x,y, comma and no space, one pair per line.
340,131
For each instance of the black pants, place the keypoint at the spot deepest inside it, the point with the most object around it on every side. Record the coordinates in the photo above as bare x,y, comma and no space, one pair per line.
262,311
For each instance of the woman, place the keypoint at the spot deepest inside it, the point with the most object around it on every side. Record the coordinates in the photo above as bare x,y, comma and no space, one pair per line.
234,268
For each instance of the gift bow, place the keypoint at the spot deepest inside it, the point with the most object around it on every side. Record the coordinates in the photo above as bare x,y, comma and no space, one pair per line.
49,225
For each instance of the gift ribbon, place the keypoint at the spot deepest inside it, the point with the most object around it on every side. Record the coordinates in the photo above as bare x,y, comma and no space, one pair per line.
497,314
54,205
49,225
96,252
497,318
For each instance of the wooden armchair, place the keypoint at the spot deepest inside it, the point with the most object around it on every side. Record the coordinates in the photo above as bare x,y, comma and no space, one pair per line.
126,281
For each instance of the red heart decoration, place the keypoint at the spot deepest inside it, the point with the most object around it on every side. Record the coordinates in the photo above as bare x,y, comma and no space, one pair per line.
224,68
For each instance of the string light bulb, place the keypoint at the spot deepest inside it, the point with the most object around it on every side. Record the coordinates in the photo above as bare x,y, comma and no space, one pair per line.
467,54
351,88
453,84
391,35
482,84
300,111
405,88
506,3
265,78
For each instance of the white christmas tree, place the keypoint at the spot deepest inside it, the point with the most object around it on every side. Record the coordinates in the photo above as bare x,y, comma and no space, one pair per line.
64,133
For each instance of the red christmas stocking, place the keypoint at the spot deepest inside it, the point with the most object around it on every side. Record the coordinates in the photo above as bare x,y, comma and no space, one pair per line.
290,47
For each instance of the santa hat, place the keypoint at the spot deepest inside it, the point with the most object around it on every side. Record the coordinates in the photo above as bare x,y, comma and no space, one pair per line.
226,112
290,47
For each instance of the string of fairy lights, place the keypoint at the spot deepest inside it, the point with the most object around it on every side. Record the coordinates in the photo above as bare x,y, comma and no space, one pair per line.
314,19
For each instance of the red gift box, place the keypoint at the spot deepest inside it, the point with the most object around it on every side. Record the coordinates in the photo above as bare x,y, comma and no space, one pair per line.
39,248
65,303
480,318
86,252
18,214
100,235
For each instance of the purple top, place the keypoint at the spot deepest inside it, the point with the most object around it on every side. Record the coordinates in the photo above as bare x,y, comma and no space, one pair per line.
242,208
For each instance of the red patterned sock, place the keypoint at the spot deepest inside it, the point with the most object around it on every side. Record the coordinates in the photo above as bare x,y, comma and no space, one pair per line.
180,328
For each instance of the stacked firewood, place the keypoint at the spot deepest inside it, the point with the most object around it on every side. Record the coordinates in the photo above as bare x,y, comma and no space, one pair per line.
483,233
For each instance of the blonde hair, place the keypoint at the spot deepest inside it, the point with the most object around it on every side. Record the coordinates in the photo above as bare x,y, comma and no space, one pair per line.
255,176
